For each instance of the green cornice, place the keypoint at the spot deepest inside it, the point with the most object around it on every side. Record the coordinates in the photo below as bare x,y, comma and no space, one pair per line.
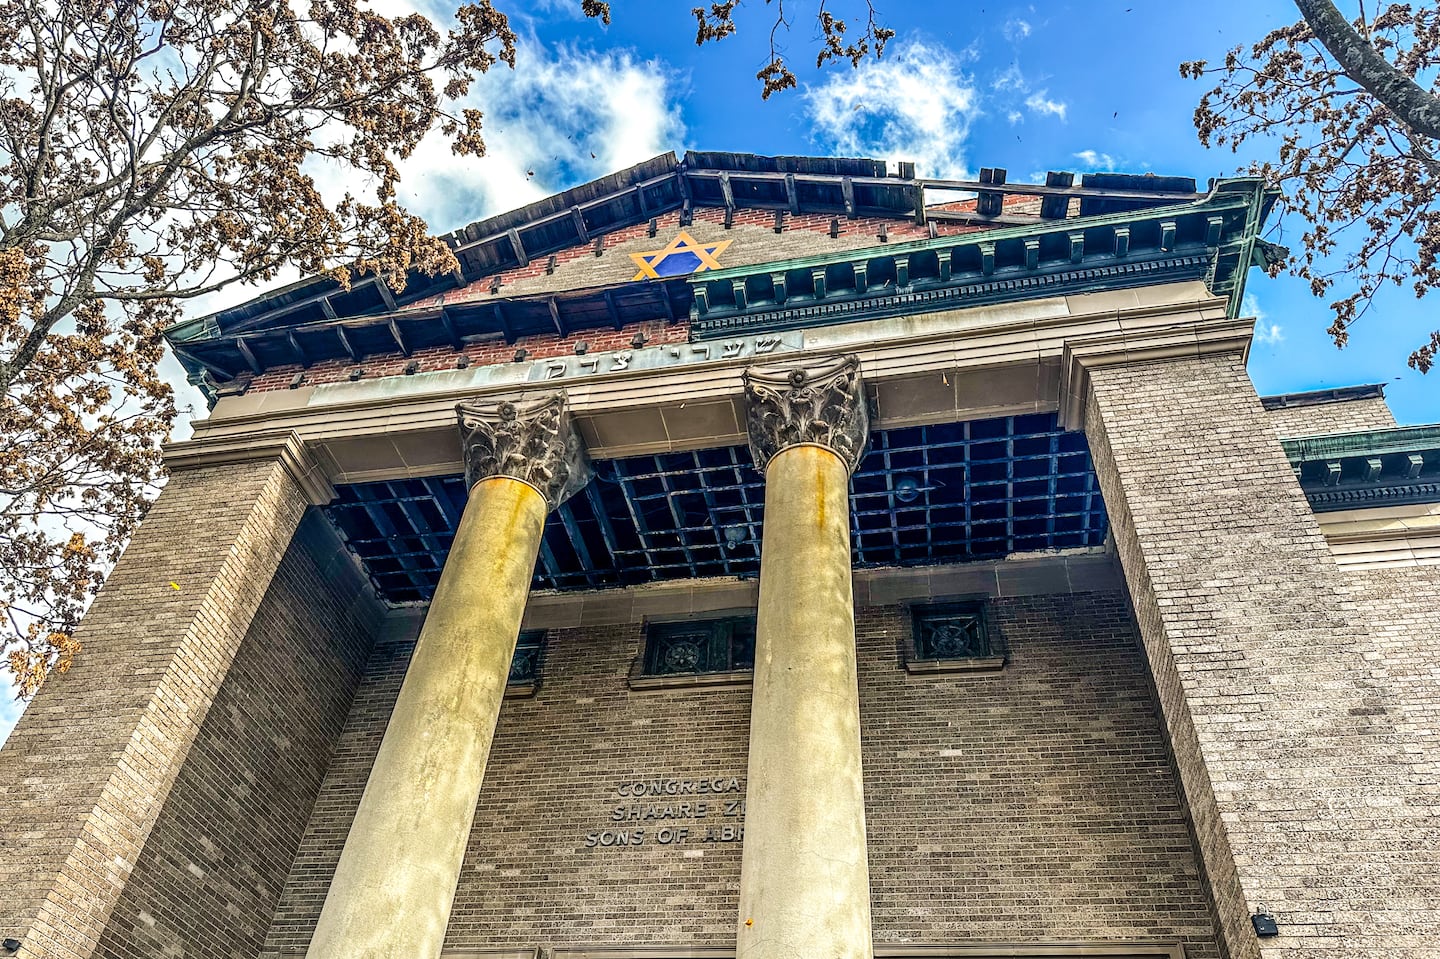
1214,238
1389,467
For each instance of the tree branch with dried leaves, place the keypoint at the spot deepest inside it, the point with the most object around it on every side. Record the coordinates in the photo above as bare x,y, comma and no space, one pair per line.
151,153
154,152
718,22
1351,106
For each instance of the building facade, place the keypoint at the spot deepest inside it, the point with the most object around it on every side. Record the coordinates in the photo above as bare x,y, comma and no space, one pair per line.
753,557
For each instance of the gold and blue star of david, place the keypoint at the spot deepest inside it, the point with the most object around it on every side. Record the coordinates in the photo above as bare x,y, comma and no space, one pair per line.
680,257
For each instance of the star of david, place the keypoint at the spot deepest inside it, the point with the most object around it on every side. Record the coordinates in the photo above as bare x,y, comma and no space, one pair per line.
680,257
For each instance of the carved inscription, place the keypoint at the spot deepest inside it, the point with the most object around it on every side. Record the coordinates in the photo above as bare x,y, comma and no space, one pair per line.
662,357
669,812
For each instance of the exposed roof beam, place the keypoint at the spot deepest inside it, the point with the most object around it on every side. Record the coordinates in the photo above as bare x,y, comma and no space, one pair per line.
248,355
615,318
516,246
504,323
349,346
399,339
559,324
215,368
449,326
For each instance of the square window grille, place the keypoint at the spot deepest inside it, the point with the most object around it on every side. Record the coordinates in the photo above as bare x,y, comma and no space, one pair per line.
954,631
704,646
525,667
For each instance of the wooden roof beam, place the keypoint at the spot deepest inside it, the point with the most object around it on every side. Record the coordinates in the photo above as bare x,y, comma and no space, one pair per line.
399,339
610,308
199,360
578,219
555,319
347,344
248,355
448,325
517,247
504,323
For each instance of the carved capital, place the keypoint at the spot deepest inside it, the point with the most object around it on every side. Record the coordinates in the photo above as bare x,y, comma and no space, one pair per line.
531,439
820,403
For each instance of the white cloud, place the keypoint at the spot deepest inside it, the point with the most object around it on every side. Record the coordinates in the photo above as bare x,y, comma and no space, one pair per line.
916,105
1015,116
562,116
10,707
1265,331
543,122
1040,103
1094,160
1268,333
1010,79
1016,30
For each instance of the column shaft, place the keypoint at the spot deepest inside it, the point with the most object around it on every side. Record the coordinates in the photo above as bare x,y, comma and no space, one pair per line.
396,880
804,879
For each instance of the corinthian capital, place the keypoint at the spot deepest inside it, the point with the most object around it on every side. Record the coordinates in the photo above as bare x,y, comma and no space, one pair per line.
820,403
531,439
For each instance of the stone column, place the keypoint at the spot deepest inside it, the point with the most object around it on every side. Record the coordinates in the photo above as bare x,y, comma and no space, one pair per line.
804,877
394,885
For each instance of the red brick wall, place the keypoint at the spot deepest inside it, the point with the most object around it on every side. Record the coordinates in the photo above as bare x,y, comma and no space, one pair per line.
541,347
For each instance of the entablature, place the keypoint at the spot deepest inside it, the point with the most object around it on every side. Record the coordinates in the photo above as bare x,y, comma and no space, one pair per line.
928,368
1212,239
1371,468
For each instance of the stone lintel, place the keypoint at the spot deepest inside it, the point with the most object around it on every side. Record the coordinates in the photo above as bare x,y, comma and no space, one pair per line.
527,438
284,445
1082,354
819,401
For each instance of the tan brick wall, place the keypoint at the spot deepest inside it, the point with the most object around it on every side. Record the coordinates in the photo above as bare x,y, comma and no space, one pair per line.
208,879
1309,800
1347,416
1037,802
85,773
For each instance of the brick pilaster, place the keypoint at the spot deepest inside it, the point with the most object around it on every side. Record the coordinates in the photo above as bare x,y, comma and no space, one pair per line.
86,771
1309,799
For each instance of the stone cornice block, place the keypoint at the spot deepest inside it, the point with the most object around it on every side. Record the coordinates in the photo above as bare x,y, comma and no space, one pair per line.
1083,354
286,446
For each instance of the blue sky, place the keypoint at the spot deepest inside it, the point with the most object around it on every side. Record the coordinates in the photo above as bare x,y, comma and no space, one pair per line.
1028,87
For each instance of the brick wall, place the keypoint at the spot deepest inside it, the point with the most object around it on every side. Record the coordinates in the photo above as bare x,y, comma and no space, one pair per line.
87,769
209,877
754,240
1311,797
1035,802
1346,416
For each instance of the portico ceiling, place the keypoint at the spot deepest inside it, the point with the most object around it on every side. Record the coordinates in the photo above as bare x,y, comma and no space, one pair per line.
923,495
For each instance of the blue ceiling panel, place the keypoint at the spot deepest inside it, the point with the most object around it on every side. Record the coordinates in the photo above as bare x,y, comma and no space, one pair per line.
922,496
